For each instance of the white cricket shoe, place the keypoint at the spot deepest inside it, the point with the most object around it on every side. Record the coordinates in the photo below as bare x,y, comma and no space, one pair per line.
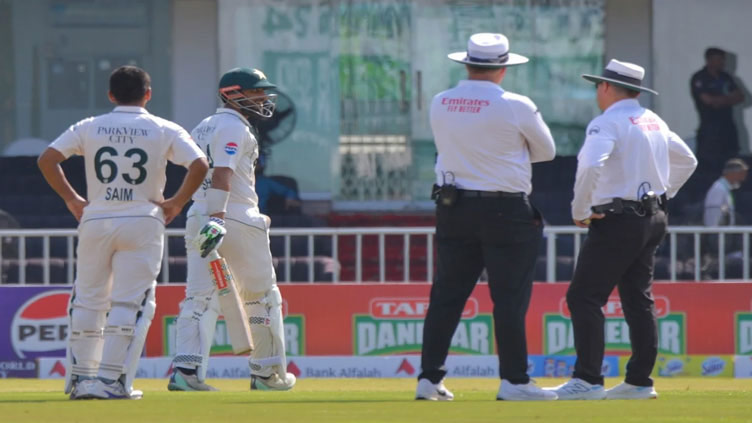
96,389
627,391
273,382
433,391
578,389
77,390
523,392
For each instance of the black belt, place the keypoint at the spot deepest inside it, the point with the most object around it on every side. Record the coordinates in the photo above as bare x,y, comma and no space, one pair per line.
490,194
620,206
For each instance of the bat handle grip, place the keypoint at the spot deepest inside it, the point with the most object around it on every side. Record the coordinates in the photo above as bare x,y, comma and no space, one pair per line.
214,255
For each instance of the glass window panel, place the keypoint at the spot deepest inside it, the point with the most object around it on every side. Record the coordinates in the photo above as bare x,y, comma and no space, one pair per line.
68,84
390,60
98,13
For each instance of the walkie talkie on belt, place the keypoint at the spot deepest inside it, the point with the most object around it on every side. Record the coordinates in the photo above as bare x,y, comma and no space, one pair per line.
650,203
446,194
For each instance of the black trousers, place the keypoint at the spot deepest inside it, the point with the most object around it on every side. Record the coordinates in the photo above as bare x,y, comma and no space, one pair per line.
619,251
502,235
716,143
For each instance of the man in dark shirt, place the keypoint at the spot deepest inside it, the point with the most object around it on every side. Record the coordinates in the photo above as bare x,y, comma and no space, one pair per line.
715,93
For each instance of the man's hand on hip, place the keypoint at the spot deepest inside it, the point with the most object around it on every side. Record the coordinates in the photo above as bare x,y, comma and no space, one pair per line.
584,223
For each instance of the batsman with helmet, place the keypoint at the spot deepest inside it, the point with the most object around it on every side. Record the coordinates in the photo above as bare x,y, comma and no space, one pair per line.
225,217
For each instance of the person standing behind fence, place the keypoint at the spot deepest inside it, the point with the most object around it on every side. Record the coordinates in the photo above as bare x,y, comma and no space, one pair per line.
715,93
719,200
486,140
629,164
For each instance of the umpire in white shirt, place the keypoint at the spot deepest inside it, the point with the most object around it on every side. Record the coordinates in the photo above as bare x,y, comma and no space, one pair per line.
628,166
486,139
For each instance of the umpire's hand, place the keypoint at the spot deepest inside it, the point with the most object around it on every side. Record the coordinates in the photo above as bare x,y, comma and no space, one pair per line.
586,222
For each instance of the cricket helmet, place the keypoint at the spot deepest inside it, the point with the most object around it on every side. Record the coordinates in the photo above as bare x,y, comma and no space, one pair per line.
235,81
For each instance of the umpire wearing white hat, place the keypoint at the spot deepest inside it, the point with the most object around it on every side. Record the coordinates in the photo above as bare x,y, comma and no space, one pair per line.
486,139
629,165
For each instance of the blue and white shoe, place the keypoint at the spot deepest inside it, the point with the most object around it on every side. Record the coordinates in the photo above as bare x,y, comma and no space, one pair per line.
97,389
627,391
578,389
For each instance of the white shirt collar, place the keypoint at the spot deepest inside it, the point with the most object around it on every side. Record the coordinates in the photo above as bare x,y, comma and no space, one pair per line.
130,109
234,112
477,83
627,102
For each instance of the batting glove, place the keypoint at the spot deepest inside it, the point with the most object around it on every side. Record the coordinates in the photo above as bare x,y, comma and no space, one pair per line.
210,237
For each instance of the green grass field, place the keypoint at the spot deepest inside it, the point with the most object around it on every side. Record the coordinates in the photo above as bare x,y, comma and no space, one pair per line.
372,400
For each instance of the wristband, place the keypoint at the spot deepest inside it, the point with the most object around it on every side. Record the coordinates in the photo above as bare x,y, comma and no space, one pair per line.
216,201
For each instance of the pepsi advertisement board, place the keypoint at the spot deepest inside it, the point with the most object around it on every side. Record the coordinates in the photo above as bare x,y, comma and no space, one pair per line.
35,324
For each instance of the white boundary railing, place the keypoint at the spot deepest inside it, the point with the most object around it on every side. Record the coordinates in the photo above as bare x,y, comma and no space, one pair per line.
552,235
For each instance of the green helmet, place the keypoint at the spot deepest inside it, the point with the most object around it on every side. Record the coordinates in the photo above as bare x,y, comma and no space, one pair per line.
231,87
245,78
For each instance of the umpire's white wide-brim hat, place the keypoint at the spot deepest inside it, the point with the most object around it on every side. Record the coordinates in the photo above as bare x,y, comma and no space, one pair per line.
488,50
623,74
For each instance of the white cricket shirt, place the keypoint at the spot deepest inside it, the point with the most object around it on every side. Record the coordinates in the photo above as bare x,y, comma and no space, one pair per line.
719,204
125,155
488,137
628,151
227,140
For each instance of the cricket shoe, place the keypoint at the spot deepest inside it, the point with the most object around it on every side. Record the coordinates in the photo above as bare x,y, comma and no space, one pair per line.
578,389
97,389
272,383
433,391
523,392
77,380
180,381
627,391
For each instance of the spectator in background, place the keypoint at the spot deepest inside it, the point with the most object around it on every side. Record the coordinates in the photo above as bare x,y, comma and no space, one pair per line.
267,187
715,93
720,210
719,200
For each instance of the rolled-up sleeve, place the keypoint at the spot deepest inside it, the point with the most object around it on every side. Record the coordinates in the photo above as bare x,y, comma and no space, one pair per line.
596,149
682,164
540,142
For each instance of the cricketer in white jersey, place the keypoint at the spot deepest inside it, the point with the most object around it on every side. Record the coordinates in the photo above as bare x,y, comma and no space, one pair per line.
228,200
121,230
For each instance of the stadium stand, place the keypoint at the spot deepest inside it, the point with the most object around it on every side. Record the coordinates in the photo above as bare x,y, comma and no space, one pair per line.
32,204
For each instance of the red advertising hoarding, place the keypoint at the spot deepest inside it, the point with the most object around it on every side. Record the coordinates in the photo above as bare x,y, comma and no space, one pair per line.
378,319
384,319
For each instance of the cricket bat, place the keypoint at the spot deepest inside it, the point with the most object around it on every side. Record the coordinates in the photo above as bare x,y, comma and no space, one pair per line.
236,318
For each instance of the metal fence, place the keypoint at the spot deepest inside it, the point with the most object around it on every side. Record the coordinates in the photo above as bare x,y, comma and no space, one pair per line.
690,252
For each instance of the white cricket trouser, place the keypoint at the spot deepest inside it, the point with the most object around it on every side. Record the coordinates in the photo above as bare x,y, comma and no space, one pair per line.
118,261
246,249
